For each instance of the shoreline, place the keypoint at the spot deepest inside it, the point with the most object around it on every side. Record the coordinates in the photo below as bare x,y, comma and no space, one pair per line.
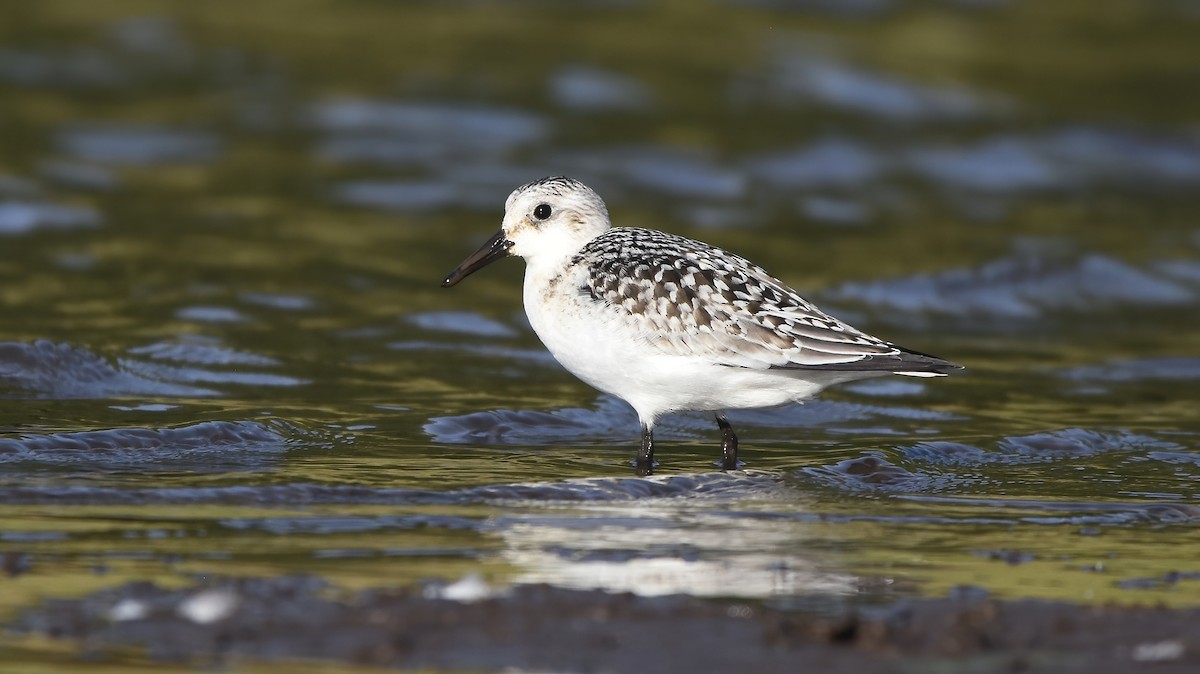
468,626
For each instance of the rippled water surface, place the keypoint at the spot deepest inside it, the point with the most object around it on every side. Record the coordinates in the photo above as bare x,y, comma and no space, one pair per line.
223,349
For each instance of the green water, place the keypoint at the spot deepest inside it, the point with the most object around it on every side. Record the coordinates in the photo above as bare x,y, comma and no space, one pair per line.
239,213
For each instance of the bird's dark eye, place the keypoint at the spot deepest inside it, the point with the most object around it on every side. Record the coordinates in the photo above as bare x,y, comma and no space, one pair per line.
542,211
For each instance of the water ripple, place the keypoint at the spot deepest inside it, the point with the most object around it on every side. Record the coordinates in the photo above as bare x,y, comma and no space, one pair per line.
396,195
464,322
325,525
613,418
208,314
800,76
138,145
83,67
1022,287
1124,156
195,375
1138,369
1076,442
200,354
830,162
995,165
1072,158
457,128
51,370
872,472
22,217
587,88
928,464
211,441
592,490
1074,512
1057,445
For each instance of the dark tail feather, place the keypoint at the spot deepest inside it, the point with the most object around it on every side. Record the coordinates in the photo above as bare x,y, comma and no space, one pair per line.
925,362
907,361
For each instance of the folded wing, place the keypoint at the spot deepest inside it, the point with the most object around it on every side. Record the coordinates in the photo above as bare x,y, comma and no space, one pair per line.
691,299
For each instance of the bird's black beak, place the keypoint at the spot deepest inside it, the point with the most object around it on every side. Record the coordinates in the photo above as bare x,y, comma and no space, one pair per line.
496,248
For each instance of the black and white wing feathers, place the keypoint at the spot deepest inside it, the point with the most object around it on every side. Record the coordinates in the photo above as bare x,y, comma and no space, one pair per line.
688,298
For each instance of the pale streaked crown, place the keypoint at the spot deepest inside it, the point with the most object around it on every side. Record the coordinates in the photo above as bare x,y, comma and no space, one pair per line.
552,218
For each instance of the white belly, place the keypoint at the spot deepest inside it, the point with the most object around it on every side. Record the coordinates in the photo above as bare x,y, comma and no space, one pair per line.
602,350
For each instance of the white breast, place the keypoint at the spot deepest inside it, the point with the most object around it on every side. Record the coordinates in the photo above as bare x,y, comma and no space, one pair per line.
607,351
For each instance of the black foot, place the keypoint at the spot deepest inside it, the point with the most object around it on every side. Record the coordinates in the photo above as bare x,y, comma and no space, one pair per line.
643,465
729,444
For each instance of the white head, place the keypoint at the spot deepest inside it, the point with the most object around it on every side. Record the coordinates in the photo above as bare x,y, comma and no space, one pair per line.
545,222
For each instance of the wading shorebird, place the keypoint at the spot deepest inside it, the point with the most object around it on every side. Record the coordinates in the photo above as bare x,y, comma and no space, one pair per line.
669,324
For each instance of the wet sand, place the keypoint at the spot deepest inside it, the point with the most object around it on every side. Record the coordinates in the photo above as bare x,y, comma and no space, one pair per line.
544,628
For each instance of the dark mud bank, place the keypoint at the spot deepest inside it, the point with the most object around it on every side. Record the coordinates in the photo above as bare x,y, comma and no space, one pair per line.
538,627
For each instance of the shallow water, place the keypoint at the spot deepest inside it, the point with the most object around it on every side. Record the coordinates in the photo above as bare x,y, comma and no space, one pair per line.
224,349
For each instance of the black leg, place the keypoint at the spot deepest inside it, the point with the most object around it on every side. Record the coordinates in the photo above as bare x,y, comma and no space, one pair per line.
644,464
729,444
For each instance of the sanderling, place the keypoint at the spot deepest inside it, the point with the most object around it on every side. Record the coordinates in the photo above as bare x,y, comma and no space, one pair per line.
669,324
